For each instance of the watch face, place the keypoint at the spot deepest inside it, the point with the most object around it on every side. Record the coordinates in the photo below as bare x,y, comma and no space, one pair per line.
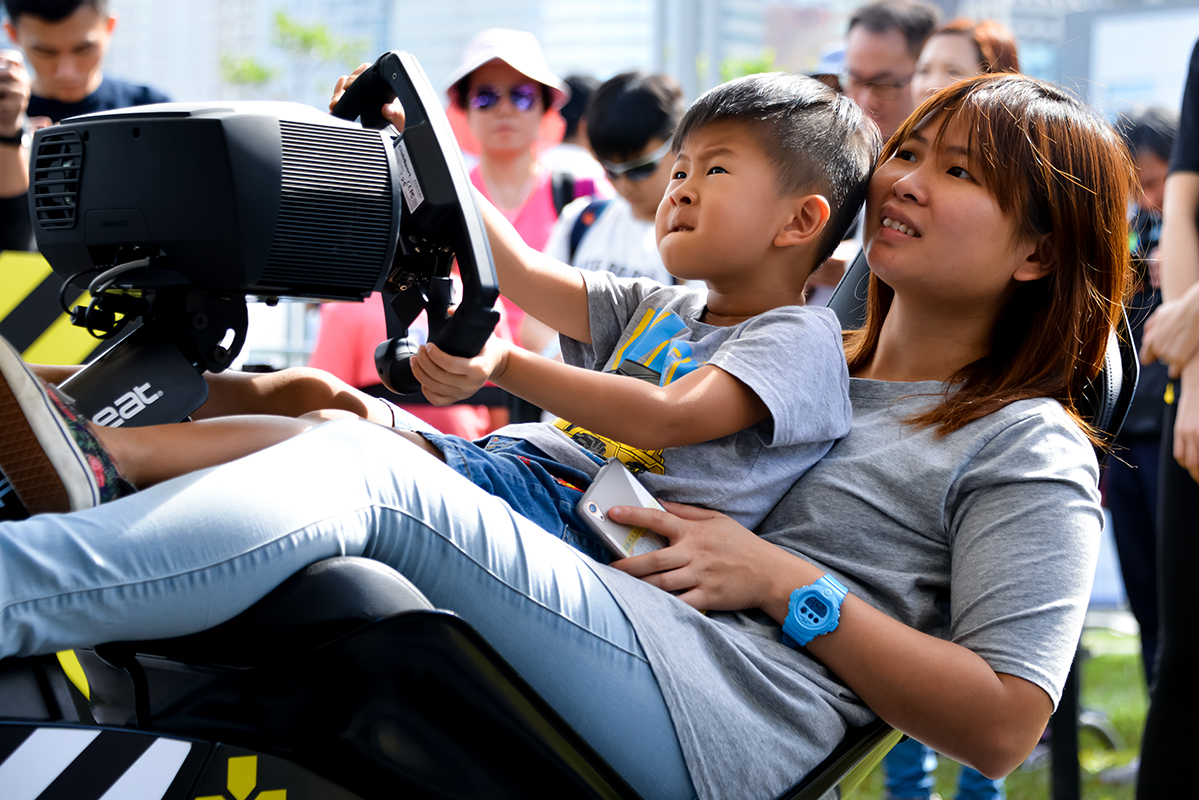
817,606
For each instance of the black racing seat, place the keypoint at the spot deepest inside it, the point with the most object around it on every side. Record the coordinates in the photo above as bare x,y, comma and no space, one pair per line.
347,669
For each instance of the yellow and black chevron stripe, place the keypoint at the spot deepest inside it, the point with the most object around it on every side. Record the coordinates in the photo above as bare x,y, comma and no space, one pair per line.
77,762
91,763
30,316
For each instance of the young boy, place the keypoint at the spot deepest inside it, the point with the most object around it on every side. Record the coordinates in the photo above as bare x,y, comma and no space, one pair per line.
631,119
720,399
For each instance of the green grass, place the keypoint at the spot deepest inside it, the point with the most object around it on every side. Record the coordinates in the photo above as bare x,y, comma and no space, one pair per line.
1112,683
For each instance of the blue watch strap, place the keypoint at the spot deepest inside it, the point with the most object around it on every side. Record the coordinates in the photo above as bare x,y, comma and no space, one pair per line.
797,633
832,583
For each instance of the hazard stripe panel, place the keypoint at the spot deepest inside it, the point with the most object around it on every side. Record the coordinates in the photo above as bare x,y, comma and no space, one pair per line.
153,773
41,759
21,273
55,763
100,766
31,317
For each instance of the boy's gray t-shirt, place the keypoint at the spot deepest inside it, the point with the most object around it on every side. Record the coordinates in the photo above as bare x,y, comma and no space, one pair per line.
986,537
791,357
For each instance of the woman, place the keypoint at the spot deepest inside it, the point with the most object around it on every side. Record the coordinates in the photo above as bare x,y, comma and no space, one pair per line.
961,513
962,49
509,98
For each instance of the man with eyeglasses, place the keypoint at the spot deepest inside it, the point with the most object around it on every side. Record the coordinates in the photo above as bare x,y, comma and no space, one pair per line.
881,50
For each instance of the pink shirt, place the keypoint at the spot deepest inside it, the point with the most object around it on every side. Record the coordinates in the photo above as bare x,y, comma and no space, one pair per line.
345,347
534,220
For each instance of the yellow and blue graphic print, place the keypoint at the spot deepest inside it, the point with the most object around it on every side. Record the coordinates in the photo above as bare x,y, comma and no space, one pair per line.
656,352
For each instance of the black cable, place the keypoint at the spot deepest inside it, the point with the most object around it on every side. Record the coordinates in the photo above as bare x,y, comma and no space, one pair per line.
62,290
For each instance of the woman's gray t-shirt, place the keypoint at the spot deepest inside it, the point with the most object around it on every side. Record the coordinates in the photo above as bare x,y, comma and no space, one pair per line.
986,537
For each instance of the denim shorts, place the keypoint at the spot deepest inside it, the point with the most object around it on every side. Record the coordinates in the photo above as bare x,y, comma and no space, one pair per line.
534,484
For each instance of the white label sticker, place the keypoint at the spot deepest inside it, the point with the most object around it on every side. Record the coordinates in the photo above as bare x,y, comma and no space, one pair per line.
413,196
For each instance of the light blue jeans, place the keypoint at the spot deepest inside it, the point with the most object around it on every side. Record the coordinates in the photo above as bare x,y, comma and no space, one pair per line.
190,553
909,768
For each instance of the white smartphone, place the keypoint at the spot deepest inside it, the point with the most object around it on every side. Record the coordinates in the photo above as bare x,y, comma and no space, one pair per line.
614,485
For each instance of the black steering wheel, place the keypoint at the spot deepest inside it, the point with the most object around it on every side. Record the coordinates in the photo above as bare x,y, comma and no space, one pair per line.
439,222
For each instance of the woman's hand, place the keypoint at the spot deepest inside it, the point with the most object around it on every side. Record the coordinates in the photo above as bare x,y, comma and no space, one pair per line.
1172,333
712,563
1186,421
446,379
393,112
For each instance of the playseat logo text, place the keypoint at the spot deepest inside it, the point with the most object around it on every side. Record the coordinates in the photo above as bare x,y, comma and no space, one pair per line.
126,407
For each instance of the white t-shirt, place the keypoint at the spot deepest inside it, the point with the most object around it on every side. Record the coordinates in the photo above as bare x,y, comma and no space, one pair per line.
576,160
616,242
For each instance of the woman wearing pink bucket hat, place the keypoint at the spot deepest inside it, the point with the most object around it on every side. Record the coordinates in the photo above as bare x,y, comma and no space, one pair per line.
503,104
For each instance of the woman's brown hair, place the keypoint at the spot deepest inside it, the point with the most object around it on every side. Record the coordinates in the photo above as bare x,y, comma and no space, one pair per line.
995,44
1058,169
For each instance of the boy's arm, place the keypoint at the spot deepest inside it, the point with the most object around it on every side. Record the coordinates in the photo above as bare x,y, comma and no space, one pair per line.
549,290
706,404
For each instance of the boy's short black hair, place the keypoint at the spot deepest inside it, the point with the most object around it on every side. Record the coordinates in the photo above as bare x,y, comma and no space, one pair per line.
628,111
914,19
575,109
818,140
51,10
1153,130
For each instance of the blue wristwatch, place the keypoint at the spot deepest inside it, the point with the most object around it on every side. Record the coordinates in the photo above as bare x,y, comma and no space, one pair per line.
813,610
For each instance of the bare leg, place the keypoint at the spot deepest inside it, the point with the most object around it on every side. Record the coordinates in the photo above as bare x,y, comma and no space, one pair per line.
288,393
245,413
150,455
53,374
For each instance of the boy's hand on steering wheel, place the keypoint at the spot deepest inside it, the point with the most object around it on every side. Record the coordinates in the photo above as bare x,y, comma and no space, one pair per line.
712,563
446,379
393,112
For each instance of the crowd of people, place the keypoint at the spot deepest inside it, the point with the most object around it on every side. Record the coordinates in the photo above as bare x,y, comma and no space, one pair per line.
661,268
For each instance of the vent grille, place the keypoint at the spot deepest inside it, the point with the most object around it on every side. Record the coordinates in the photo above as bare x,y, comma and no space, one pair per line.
335,214
56,168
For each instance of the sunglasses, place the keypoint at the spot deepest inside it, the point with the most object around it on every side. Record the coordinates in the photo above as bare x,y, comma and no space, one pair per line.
638,169
523,96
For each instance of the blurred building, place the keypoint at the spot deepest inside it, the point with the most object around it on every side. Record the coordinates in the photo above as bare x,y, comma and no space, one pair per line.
1105,49
190,50
1127,57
